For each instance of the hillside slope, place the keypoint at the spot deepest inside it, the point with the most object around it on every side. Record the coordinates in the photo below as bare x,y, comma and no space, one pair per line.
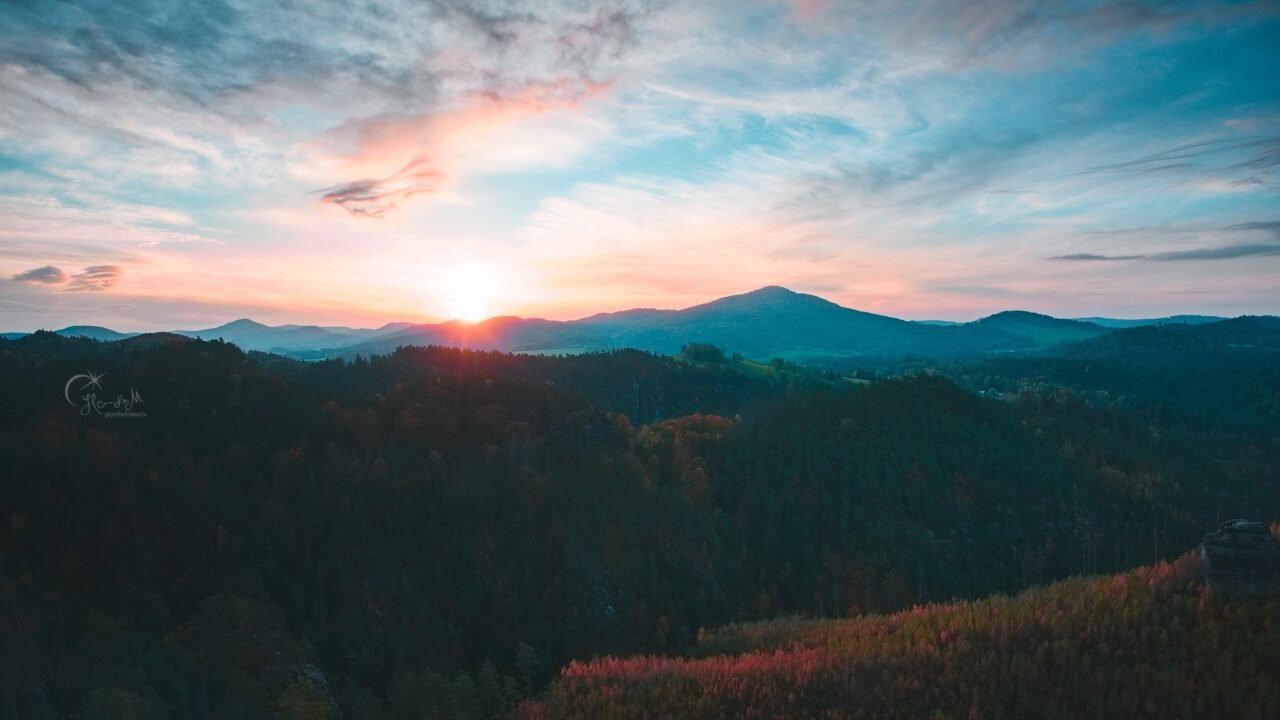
1151,643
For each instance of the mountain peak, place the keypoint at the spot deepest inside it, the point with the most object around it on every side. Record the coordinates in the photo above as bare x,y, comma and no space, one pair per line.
236,329
243,323
241,326
767,295
772,291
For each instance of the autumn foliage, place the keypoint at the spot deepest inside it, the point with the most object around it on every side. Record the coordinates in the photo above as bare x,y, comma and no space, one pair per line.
1151,643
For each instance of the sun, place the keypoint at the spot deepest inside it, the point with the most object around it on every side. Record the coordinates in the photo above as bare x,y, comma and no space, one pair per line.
469,291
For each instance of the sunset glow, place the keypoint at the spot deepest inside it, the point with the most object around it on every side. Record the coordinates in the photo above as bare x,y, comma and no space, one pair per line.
929,160
470,288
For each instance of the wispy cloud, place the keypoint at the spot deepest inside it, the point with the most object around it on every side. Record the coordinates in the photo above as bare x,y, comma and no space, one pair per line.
48,308
95,278
1226,252
1272,226
1229,251
1262,153
1089,257
373,197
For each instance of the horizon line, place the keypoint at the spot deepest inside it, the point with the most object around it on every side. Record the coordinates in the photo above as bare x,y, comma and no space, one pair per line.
526,318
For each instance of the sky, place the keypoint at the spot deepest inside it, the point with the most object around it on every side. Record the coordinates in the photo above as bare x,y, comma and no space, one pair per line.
175,165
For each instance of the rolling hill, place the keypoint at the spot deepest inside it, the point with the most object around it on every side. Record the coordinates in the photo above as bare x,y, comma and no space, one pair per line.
93,332
1042,330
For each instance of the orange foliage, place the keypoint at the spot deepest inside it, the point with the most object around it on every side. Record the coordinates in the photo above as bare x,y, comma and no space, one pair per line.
1134,645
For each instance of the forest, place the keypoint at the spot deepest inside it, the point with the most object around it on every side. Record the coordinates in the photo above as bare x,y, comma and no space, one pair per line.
436,533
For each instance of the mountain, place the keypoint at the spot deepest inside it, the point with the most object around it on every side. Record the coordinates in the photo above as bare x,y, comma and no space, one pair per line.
1261,333
285,339
1042,330
512,334
762,324
771,322
1172,319
234,331
93,332
624,317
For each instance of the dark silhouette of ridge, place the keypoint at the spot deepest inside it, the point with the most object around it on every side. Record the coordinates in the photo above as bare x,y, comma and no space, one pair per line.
762,324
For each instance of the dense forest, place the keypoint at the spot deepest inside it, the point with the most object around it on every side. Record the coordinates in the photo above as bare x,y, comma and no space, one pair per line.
436,532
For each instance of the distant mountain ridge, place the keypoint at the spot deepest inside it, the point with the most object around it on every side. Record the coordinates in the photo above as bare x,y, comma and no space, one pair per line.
1171,320
762,324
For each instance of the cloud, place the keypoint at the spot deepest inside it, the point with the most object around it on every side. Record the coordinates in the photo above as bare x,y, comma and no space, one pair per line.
1226,252
47,275
504,66
1214,155
931,36
485,129
95,278
1272,226
47,308
579,40
643,153
1088,257
1229,251
371,198
241,96
204,54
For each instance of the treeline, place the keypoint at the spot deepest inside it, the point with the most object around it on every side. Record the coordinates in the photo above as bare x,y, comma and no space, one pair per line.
434,533
1150,643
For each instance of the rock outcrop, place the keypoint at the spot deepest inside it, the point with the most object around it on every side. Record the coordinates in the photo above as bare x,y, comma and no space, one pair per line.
1241,560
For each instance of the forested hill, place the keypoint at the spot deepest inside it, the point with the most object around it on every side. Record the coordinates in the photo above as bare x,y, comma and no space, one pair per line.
1151,643
436,532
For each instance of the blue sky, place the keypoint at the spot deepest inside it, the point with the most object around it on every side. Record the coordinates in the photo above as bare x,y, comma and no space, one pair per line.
177,165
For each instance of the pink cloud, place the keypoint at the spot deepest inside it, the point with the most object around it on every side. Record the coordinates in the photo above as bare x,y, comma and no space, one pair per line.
438,145
809,9
95,278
